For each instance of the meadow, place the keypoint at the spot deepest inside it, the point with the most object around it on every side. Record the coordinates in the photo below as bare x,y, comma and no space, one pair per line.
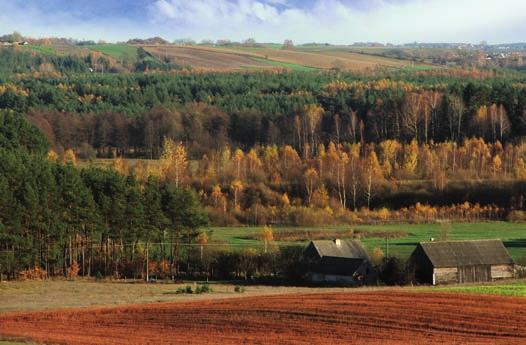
286,65
516,289
116,51
512,234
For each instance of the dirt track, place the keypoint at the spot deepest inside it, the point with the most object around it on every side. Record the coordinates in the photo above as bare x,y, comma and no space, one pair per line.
382,317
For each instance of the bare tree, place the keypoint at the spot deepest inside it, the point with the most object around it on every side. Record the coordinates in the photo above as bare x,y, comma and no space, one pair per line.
456,110
411,114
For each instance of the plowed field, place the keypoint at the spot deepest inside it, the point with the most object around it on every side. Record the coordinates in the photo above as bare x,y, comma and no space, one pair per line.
241,58
205,58
381,317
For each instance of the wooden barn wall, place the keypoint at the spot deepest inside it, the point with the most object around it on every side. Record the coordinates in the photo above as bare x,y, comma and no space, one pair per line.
474,274
445,275
419,267
502,272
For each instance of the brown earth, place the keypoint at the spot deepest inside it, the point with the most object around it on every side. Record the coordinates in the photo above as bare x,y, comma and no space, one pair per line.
378,317
221,58
329,59
204,58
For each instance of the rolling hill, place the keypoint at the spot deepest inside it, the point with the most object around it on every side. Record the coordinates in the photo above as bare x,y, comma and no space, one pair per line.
239,58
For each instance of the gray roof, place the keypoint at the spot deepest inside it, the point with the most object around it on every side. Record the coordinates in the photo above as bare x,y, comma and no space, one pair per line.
466,253
350,249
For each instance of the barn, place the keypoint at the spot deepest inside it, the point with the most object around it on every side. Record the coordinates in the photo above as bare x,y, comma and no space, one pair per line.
339,261
460,262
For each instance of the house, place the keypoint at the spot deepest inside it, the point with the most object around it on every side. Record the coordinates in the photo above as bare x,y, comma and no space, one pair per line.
460,262
339,261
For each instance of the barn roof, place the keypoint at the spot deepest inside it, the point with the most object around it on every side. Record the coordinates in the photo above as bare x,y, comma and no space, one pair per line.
466,253
350,249
341,257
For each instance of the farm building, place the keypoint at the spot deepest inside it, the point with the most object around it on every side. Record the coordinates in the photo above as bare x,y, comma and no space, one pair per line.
460,262
339,261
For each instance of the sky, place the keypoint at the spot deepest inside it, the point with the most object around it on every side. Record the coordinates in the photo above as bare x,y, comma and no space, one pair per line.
303,21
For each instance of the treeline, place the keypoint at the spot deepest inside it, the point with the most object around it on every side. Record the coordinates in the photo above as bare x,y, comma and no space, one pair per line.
130,115
342,183
55,217
14,60
37,61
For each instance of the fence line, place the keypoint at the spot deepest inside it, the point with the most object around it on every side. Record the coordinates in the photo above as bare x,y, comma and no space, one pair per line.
98,244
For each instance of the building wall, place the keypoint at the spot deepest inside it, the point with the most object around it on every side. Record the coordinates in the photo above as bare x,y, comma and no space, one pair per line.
502,272
446,275
472,274
329,278
419,268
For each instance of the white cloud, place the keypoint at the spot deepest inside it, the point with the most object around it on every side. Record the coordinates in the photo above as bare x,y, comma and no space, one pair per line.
336,21
166,8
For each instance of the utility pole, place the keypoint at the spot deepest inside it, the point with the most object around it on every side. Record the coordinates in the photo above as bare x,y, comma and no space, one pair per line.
147,264
386,246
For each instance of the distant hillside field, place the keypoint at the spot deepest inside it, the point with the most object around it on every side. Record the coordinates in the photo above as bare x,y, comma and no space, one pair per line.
57,49
223,58
116,51
205,58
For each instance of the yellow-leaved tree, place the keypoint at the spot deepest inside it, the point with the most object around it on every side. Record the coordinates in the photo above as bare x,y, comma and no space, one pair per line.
237,188
411,157
267,236
70,157
52,156
173,162
311,179
202,239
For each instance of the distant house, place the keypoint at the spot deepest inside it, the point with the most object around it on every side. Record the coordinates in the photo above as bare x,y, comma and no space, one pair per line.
8,43
339,261
460,262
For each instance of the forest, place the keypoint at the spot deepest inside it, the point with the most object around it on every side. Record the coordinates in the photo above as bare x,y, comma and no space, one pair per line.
129,115
53,215
98,166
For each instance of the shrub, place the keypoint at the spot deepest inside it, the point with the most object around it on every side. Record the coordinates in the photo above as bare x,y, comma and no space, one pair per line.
205,288
73,270
377,256
517,216
35,273
239,289
184,289
393,272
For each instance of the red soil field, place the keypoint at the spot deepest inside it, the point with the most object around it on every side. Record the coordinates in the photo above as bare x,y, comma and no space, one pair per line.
380,317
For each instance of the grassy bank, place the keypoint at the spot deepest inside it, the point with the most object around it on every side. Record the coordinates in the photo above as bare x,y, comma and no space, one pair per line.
515,289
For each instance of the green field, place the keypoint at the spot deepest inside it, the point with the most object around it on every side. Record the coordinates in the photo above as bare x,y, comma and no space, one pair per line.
45,50
516,289
116,51
513,235
291,66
